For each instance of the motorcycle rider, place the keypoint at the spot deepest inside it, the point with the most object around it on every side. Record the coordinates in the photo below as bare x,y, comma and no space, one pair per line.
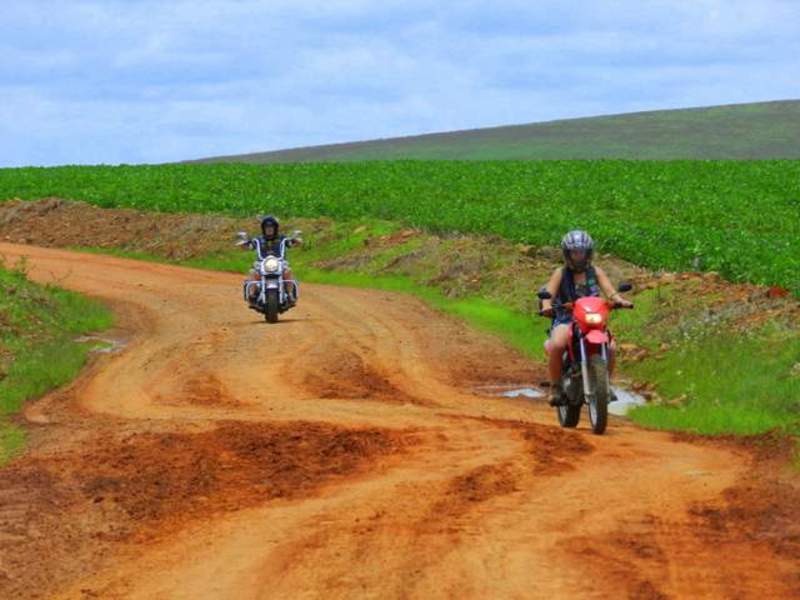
270,243
578,278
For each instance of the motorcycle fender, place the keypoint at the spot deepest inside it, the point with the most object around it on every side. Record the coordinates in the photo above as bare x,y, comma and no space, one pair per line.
597,337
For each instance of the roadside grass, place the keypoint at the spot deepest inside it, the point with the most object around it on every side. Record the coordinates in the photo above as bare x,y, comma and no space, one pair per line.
715,374
727,384
38,327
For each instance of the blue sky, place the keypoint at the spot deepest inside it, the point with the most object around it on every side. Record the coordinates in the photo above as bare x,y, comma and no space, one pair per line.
139,81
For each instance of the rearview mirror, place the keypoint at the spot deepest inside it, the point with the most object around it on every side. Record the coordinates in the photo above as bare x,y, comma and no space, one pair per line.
242,235
625,287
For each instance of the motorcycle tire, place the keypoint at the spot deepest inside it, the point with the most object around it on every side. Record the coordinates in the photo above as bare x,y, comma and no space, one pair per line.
598,407
272,308
569,415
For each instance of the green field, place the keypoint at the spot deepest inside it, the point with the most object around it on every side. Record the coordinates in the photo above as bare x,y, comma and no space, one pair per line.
764,130
741,219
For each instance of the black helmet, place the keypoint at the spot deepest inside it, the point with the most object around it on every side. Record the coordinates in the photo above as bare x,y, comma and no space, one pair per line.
577,240
267,221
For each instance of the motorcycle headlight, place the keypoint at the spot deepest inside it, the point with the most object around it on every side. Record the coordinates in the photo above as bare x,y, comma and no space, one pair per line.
272,265
594,318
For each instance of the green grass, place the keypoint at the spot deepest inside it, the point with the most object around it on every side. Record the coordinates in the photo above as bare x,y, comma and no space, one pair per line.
725,381
760,130
38,326
741,219
731,384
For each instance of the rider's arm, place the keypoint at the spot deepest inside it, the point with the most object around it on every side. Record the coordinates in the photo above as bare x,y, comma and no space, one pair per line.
552,286
607,288
247,244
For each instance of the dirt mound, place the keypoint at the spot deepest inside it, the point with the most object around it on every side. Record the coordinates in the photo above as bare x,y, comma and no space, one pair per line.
54,222
145,485
152,477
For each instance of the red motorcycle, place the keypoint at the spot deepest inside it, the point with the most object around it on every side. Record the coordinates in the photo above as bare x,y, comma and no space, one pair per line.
584,374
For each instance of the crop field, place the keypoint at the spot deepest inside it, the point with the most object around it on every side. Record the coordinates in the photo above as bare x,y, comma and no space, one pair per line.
741,219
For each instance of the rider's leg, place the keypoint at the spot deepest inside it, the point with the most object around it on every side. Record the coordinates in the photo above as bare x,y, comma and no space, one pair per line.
612,358
559,338
252,291
290,288
612,362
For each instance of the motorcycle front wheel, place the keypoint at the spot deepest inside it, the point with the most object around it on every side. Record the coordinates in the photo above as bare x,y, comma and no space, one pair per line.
598,405
272,308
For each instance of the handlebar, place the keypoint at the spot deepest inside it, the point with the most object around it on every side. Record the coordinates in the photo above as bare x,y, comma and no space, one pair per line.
569,306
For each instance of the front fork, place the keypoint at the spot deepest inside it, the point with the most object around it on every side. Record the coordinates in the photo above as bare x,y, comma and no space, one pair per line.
588,390
272,283
266,283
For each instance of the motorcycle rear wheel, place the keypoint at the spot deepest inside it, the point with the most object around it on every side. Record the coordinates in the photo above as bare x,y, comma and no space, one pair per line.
569,415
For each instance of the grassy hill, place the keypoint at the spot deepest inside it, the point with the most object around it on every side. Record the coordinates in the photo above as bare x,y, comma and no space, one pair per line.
744,131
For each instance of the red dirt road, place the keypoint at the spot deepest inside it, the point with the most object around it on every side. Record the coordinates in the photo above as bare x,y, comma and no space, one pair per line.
343,453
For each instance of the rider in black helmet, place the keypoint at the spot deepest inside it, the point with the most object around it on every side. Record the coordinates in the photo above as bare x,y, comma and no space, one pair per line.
270,243
578,278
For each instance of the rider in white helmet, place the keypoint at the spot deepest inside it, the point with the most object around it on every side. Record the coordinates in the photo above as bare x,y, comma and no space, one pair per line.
578,278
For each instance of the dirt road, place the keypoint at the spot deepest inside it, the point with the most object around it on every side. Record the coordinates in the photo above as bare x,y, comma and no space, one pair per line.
344,453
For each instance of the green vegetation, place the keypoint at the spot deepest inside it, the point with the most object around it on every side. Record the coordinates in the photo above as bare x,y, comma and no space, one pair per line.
744,131
38,351
727,384
718,374
741,219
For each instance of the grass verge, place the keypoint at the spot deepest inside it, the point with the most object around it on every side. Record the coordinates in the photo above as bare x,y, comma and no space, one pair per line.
38,351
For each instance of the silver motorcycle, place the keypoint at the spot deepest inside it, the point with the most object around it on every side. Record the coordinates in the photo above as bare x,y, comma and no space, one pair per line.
269,293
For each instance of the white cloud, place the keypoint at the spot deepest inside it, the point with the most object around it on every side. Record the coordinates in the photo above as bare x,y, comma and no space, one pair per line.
131,81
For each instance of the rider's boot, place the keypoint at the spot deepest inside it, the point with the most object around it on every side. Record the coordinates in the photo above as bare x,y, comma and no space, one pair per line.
556,397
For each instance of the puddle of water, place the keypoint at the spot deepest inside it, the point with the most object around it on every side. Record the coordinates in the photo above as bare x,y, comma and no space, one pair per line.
103,345
511,390
526,391
625,398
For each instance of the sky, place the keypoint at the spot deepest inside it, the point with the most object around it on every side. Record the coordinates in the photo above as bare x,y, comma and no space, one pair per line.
112,81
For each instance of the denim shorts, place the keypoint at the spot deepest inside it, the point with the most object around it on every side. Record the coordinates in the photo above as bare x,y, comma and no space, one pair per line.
562,320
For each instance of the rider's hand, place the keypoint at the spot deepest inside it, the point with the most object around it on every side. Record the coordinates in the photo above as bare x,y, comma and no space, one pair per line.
622,303
547,312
